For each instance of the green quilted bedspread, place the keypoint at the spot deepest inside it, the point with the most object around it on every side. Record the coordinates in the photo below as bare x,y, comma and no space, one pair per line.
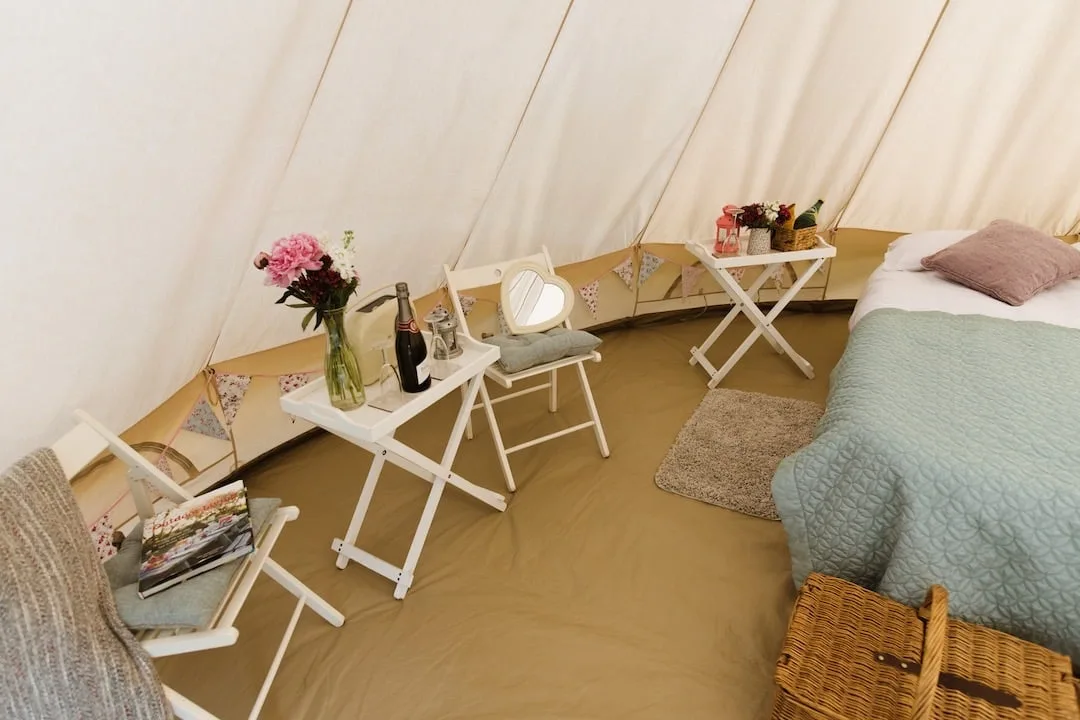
949,453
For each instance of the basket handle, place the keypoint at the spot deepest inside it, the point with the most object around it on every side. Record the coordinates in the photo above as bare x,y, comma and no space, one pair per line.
935,611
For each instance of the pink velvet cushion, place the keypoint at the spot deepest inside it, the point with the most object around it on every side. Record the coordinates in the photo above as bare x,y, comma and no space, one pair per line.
1008,261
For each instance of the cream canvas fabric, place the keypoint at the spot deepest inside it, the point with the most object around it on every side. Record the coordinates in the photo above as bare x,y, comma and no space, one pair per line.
156,147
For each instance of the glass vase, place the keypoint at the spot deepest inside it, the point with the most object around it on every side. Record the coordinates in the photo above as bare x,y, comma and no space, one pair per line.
344,383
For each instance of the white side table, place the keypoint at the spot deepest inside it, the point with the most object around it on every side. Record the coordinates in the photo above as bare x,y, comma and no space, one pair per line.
373,429
719,268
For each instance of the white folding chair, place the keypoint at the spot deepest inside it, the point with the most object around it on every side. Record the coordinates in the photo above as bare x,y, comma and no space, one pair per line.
459,280
82,445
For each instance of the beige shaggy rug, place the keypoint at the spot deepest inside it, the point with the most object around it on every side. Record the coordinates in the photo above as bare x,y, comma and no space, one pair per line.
728,450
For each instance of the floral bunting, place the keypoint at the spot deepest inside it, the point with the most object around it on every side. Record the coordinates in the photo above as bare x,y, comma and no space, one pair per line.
691,278
649,264
504,329
467,302
778,276
162,464
231,390
202,420
625,270
591,295
737,273
292,381
101,533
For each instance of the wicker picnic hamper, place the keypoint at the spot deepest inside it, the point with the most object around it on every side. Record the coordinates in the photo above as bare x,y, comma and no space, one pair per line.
786,240
851,654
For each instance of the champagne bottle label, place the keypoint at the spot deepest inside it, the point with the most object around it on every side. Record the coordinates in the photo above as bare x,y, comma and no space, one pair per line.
422,371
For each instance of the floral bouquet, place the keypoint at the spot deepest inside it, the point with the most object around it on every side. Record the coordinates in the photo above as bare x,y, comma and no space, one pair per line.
318,273
321,275
768,215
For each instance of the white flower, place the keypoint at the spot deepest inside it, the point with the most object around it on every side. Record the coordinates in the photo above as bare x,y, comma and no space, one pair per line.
342,255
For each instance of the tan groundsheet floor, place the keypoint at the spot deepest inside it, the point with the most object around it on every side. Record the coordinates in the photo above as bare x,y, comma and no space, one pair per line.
596,595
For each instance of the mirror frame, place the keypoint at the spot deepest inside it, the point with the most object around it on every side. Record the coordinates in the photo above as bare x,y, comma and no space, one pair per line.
548,277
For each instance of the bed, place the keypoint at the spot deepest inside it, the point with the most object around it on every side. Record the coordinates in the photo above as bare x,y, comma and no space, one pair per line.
949,453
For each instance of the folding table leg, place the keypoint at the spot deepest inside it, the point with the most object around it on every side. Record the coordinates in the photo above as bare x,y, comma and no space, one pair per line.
417,545
763,326
726,280
362,505
468,423
766,273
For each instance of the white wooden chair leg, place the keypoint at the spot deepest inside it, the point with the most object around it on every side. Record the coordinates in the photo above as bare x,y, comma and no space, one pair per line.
553,392
468,423
276,663
601,440
183,708
500,448
286,579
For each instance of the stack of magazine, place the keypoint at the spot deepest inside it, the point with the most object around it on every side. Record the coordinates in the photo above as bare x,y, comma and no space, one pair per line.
198,535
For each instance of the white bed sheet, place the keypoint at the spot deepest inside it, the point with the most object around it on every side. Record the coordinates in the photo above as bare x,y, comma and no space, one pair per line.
906,290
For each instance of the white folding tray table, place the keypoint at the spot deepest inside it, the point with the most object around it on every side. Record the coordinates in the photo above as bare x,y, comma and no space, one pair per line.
373,429
743,302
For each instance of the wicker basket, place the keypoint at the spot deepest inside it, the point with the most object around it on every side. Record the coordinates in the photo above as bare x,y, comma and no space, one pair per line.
851,654
786,240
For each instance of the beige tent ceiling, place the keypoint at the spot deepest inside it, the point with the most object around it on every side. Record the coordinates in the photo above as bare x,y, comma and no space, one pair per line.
151,149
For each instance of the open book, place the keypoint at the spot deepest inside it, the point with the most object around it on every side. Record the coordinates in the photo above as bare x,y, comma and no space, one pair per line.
196,536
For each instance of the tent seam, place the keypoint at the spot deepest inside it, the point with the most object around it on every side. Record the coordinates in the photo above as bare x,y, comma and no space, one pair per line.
689,138
694,127
289,159
513,139
835,225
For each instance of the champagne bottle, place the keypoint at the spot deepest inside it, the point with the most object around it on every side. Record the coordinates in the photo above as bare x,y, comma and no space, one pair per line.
409,346
808,218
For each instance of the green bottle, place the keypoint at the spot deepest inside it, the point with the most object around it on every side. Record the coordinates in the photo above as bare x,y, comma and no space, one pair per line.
808,218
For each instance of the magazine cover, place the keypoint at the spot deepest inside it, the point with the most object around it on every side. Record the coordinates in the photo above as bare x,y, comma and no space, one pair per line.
194,537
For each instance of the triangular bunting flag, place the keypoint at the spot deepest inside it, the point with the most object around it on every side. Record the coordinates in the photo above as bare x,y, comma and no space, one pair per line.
231,389
162,464
202,420
737,273
591,295
649,264
625,270
504,329
101,532
778,277
691,276
467,302
292,381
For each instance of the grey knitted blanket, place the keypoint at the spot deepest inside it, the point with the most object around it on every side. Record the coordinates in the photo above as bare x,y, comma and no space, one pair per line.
64,653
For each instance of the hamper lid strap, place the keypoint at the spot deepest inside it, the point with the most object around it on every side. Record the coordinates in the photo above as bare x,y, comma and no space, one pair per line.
935,611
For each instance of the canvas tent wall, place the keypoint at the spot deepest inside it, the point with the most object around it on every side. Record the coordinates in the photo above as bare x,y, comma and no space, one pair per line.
151,149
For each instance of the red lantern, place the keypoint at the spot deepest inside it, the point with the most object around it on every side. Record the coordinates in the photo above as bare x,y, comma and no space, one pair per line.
727,241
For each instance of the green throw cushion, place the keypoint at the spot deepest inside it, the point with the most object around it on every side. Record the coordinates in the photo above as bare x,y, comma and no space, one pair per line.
192,603
521,352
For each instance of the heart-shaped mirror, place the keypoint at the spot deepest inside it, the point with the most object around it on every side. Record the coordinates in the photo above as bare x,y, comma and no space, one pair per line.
534,300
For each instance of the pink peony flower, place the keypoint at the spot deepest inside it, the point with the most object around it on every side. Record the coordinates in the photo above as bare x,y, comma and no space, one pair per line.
290,256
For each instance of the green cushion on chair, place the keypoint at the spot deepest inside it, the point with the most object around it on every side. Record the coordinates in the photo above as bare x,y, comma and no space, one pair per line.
521,352
192,603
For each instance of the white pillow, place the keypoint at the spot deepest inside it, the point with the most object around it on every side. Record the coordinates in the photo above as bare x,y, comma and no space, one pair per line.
907,251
